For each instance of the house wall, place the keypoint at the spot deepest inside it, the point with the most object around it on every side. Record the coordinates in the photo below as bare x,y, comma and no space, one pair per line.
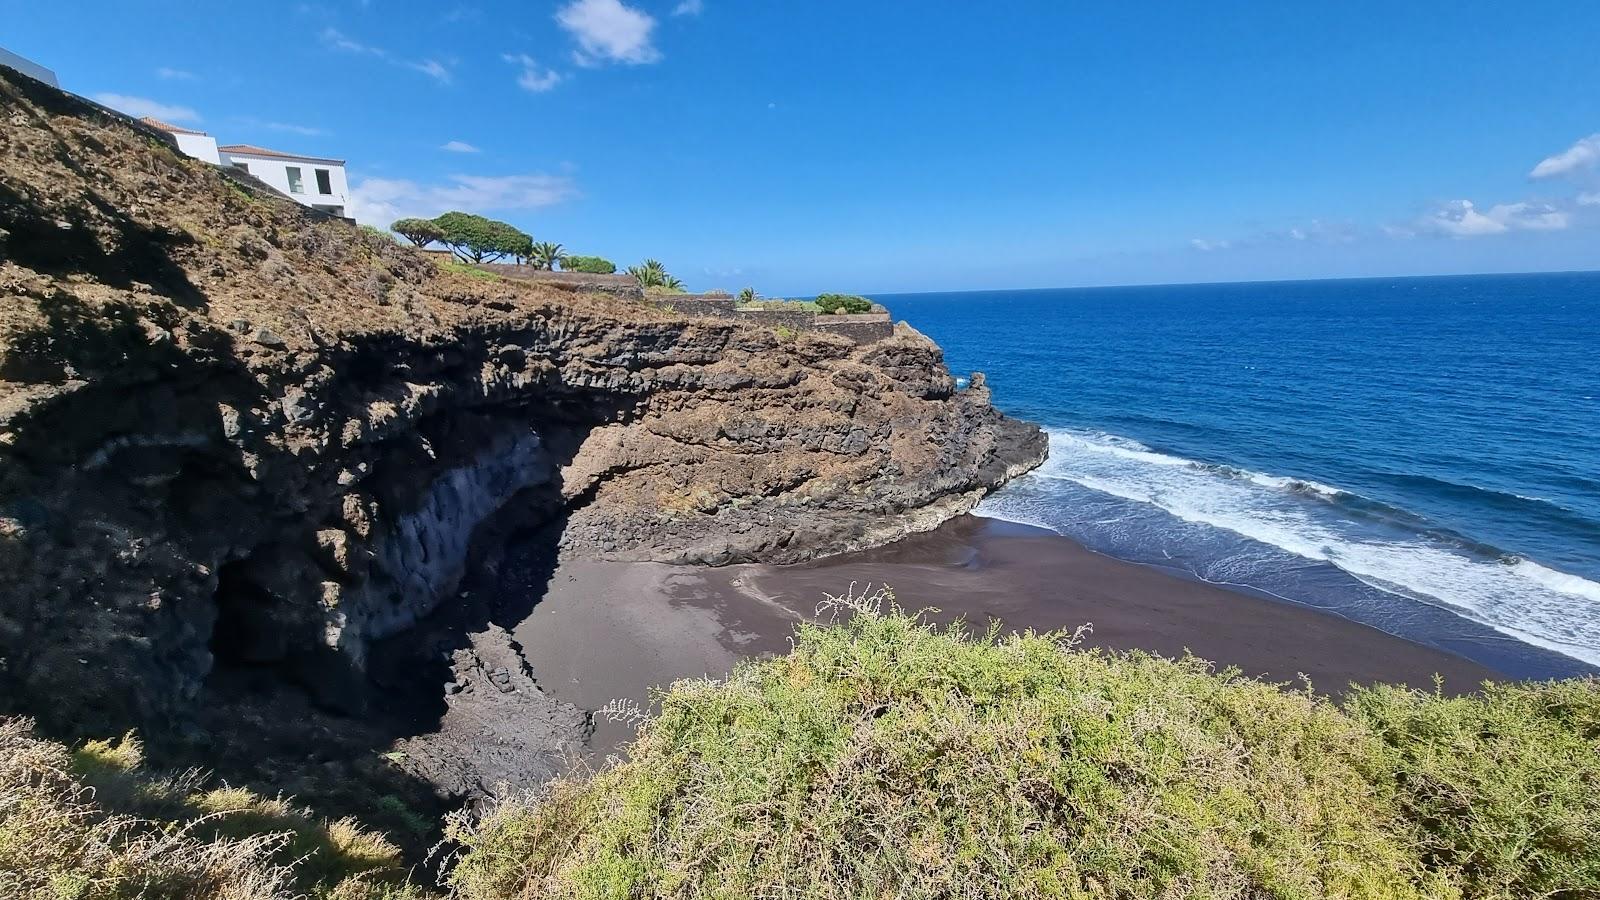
200,146
275,171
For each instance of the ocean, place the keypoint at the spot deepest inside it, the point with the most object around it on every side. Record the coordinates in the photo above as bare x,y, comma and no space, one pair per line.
1418,454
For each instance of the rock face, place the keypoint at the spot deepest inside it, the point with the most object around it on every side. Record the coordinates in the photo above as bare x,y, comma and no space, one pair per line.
230,429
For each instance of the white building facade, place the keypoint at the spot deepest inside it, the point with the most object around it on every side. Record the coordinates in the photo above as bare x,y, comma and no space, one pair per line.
313,181
197,144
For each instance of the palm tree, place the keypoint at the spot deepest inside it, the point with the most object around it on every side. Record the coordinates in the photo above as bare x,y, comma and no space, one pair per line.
651,274
546,255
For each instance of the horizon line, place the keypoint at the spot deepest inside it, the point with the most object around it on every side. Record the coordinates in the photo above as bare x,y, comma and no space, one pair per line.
1177,284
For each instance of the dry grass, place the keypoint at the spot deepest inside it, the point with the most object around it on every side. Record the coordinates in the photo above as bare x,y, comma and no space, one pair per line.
882,758
91,824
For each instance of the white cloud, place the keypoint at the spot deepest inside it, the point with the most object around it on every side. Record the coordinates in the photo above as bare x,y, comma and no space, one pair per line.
174,74
689,8
379,201
1590,199
431,68
285,127
143,106
533,77
609,31
458,147
1582,155
338,40
1209,245
1460,218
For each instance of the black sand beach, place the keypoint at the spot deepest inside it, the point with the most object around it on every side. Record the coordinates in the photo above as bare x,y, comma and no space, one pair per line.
607,630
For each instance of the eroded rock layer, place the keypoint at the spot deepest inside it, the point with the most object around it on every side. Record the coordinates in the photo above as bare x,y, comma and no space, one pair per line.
231,429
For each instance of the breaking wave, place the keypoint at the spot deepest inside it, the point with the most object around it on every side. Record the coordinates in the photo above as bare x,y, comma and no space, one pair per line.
1393,550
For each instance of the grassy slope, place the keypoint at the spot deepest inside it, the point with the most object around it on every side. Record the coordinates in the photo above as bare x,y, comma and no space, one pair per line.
881,758
90,824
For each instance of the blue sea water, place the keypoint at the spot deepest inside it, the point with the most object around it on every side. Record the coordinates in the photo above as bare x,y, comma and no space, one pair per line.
1419,454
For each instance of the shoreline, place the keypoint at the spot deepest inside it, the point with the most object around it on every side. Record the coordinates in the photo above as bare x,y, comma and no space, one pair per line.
617,630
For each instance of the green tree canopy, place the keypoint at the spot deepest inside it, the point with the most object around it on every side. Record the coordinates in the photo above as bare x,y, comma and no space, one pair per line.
475,239
594,265
420,232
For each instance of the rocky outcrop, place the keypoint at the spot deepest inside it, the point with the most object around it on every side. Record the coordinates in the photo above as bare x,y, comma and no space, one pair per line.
233,431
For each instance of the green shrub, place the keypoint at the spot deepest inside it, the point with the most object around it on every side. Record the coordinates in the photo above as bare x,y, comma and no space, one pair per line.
884,758
594,265
1503,788
843,303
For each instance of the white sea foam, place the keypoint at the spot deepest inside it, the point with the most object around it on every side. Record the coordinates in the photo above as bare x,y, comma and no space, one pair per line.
1517,597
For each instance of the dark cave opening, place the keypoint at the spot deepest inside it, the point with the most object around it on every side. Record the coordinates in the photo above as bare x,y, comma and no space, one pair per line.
245,632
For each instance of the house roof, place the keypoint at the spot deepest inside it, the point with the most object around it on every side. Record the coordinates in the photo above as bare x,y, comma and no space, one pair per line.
253,150
166,126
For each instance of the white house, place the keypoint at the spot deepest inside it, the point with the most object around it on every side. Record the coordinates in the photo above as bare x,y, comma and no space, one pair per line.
197,144
312,180
27,67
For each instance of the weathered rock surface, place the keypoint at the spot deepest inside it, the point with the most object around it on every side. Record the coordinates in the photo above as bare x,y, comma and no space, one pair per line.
230,430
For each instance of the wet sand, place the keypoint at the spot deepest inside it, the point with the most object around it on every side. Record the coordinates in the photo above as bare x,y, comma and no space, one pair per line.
605,631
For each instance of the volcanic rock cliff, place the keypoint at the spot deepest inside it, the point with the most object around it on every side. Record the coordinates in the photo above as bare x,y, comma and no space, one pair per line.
231,429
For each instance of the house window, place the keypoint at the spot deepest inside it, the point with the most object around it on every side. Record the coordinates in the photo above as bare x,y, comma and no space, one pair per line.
242,167
295,184
324,182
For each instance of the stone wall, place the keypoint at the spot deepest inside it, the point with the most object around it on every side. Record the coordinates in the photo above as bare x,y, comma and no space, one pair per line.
716,306
863,328
614,285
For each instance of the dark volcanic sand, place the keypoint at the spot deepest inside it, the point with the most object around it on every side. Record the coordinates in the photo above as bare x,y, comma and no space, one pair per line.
616,630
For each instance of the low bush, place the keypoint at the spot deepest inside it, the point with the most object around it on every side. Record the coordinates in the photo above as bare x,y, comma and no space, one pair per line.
886,758
593,265
91,824
843,303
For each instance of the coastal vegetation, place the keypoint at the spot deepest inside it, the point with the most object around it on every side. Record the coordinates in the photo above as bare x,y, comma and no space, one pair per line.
420,232
594,265
546,255
92,823
885,757
475,239
653,277
843,303
472,238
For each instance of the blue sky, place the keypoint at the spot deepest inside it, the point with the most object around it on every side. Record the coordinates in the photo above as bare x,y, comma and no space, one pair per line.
891,146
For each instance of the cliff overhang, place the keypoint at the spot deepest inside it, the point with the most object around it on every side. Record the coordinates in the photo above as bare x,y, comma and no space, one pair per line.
234,432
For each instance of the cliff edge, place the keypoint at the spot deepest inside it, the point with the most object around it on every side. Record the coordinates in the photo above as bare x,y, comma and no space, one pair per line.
232,429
